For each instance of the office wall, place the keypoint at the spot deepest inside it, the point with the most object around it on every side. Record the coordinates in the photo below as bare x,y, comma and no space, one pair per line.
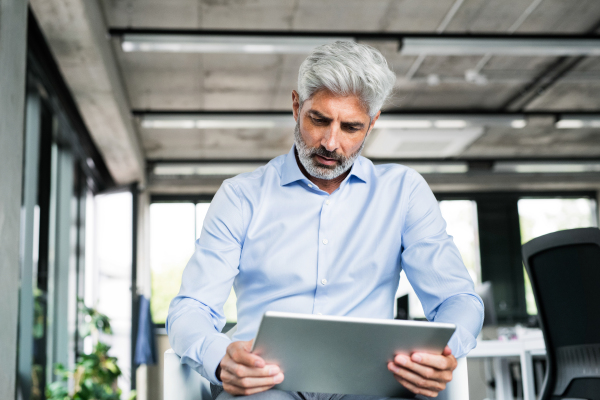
13,36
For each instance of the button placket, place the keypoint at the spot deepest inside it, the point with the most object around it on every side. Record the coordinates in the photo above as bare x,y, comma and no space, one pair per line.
323,258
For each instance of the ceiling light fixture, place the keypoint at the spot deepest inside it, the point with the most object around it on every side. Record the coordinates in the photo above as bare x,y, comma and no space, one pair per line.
515,46
391,123
165,120
181,43
448,121
577,121
439,168
204,169
518,123
535,167
216,121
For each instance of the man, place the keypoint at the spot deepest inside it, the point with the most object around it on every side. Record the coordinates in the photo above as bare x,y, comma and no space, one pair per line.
322,230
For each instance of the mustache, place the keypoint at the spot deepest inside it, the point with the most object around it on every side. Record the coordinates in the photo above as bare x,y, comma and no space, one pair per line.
323,152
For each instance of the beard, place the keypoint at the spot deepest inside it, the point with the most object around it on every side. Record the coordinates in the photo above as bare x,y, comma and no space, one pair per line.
307,155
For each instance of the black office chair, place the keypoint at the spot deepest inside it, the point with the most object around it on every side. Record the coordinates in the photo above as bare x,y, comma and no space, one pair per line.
564,269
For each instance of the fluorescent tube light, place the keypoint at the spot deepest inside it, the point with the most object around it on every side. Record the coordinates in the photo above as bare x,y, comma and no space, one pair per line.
216,121
391,123
208,169
569,124
450,124
506,46
577,121
169,123
266,121
172,43
546,167
447,121
440,168
518,123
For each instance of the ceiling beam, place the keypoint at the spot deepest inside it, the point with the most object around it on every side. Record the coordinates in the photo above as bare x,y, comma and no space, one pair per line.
546,79
76,33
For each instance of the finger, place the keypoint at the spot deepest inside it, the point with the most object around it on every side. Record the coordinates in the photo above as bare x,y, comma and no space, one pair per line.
416,379
250,382
415,389
238,391
240,354
440,362
447,351
242,371
423,370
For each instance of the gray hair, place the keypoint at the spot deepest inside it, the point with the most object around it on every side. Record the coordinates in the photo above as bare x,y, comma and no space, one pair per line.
345,68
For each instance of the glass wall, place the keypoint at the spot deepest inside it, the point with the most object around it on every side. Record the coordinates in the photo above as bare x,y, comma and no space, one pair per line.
62,168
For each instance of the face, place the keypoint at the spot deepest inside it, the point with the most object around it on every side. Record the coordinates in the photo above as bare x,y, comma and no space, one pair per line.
330,132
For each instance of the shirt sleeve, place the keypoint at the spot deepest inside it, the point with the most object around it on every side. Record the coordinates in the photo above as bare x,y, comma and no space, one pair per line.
435,269
196,314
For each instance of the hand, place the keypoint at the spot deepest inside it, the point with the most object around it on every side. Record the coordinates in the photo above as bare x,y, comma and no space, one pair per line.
423,373
244,373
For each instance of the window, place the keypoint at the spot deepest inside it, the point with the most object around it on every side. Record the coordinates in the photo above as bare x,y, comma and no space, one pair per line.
538,217
461,220
172,232
174,227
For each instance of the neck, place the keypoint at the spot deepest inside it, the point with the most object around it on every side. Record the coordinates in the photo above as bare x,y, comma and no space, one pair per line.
328,185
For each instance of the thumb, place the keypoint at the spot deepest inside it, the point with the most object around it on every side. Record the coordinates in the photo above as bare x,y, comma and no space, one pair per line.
447,351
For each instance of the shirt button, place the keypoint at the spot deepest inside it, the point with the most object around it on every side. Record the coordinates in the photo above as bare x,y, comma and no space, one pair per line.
324,281
325,241
327,202
310,186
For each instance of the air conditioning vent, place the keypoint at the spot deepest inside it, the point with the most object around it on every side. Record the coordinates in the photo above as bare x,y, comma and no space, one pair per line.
421,143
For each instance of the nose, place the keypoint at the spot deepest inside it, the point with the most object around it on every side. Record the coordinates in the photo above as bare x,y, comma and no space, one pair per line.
331,139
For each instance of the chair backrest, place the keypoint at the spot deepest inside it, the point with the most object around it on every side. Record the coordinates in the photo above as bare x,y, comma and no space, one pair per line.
564,269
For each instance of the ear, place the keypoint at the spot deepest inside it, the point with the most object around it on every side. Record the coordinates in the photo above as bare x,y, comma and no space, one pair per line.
375,118
296,104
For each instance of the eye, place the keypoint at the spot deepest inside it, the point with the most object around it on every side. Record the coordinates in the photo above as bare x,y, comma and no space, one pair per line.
318,121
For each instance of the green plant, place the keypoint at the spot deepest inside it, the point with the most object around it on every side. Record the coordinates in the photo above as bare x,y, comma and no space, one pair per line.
95,375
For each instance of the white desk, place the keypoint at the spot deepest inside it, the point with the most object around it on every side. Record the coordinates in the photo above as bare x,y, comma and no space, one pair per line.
500,350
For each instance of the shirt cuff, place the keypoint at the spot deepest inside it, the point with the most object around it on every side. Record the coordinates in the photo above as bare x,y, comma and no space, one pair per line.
461,342
213,355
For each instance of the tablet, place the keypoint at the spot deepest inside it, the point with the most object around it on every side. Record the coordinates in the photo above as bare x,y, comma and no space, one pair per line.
343,355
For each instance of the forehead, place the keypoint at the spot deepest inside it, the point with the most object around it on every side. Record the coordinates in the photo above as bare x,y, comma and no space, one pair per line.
337,107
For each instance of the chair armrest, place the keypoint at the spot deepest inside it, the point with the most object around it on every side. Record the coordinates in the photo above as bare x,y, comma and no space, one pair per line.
458,388
181,382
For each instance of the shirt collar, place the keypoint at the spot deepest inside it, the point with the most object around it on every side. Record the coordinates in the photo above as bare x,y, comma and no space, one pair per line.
291,172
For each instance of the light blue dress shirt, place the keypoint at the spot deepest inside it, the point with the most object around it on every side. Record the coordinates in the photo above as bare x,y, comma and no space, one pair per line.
286,245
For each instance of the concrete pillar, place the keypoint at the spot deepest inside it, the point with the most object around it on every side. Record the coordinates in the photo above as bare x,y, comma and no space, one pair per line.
13,47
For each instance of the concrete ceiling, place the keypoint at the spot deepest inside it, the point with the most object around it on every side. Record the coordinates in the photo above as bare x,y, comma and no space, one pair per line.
76,33
234,82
